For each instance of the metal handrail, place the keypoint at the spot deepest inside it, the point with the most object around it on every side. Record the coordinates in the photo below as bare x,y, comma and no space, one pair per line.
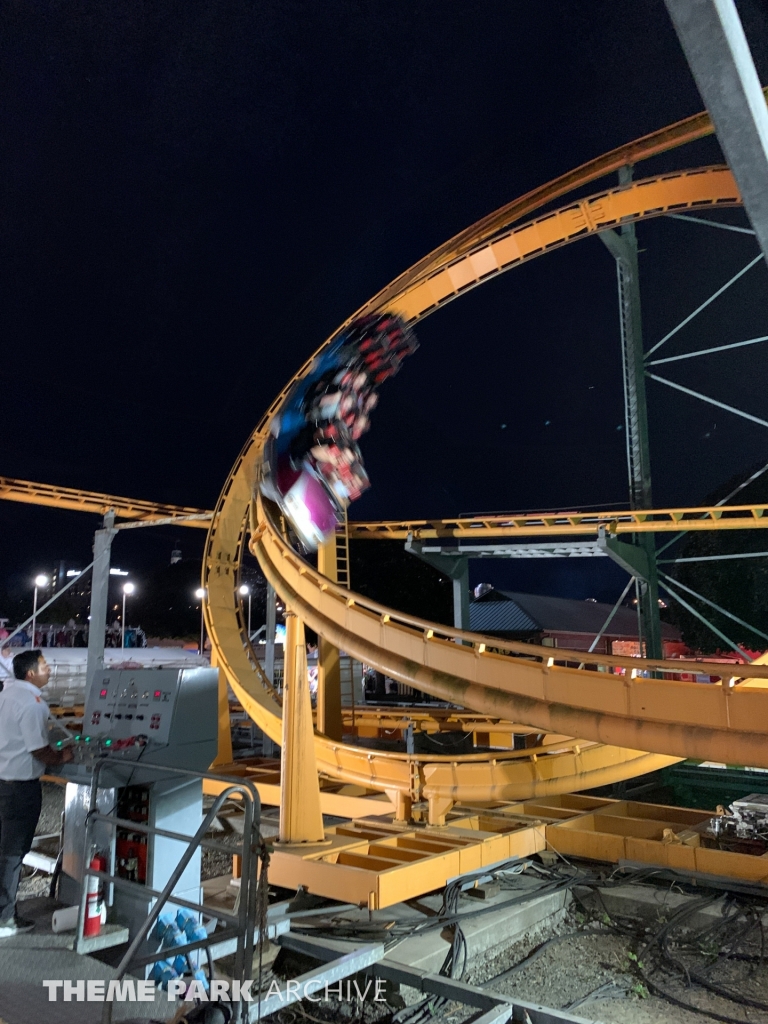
242,925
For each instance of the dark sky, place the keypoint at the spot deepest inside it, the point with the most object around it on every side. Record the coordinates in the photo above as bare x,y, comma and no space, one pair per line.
194,195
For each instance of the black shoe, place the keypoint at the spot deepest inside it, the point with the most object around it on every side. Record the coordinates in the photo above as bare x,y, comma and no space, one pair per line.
23,924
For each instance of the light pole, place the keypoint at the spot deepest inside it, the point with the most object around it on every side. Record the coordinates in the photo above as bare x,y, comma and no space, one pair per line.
243,590
128,588
200,595
40,582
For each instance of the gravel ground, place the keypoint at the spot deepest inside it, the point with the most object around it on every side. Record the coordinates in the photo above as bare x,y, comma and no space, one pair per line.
572,968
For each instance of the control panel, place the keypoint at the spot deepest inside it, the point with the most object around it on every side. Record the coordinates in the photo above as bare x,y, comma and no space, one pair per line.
129,704
168,716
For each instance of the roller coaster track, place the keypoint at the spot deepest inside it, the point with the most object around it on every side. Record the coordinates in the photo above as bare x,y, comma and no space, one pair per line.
624,708
711,517
572,524
75,500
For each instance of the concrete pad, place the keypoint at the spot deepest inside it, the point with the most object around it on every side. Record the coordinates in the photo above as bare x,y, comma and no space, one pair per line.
27,959
501,922
501,926
656,905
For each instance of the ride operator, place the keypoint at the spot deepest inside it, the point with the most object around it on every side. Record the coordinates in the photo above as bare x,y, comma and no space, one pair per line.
24,753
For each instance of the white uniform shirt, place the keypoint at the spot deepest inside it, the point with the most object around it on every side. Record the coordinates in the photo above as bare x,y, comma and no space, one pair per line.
23,728
6,669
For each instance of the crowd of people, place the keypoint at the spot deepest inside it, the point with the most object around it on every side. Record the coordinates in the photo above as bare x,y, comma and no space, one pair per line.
71,635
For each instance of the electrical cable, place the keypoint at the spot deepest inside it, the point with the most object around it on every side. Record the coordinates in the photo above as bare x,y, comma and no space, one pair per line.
727,932
601,991
654,987
737,923
458,952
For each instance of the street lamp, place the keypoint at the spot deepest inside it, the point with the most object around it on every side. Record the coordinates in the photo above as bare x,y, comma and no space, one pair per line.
200,595
40,582
242,591
128,588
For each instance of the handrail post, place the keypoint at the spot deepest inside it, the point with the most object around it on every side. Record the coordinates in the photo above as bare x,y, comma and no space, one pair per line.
246,909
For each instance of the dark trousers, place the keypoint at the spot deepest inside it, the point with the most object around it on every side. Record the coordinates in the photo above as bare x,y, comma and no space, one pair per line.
20,805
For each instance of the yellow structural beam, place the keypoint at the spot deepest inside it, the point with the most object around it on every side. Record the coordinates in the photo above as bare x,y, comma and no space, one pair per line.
301,819
698,189
521,682
690,129
664,520
71,498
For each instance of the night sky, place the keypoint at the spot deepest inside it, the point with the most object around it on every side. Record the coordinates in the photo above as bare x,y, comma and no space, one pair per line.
195,195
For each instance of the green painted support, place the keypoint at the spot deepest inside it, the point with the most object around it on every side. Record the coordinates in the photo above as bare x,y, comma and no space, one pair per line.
622,245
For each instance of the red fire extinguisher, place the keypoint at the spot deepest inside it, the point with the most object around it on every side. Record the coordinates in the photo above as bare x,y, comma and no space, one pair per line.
94,897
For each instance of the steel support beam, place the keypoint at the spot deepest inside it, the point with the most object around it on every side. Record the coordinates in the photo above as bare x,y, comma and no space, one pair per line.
630,557
554,549
470,995
611,615
269,651
102,547
713,40
461,595
301,820
622,245
454,565
495,1006
329,721
337,966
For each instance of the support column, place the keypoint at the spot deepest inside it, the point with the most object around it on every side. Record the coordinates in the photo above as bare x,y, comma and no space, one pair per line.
460,578
301,820
717,51
456,567
102,547
269,649
224,748
622,245
329,719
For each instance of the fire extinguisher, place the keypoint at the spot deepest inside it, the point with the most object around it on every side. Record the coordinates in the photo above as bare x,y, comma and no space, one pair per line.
94,897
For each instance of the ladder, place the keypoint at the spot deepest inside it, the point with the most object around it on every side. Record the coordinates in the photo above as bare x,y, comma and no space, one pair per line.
343,575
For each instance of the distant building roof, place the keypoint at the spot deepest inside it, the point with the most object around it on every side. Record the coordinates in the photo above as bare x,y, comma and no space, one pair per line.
501,611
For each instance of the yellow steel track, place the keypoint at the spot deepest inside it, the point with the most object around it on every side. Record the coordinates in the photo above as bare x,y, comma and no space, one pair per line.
75,500
710,517
572,524
621,716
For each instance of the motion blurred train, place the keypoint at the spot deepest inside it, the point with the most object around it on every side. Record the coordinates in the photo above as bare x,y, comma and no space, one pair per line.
312,465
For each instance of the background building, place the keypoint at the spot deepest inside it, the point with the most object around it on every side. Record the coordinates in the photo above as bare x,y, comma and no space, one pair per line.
562,622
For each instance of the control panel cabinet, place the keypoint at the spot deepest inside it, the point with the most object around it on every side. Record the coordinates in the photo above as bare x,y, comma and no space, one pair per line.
140,722
165,716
